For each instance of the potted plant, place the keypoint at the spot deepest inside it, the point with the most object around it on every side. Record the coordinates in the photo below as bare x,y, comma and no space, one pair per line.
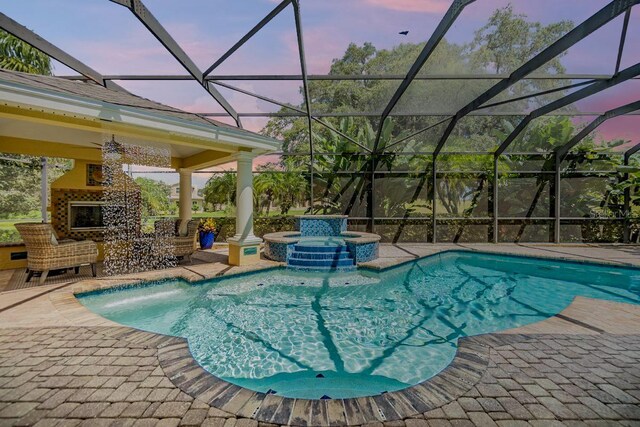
207,230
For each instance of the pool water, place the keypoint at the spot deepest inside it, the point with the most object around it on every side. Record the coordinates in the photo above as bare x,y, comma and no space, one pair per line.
339,335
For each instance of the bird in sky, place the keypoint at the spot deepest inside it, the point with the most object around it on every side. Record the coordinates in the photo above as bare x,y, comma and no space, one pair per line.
404,33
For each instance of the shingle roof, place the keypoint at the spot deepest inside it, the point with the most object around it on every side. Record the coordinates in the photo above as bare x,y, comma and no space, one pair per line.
96,92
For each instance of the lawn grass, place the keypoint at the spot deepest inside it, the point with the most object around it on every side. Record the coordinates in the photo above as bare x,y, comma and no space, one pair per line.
8,224
8,233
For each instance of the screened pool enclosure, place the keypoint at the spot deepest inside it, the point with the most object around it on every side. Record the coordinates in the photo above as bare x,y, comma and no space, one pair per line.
500,129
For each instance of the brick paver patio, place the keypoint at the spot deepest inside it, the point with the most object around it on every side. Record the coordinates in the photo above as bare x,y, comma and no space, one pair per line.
95,376
62,365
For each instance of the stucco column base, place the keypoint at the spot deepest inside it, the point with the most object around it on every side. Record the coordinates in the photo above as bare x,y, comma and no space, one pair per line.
244,251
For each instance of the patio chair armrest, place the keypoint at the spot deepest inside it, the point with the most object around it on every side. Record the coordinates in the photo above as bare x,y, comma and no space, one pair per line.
85,247
184,240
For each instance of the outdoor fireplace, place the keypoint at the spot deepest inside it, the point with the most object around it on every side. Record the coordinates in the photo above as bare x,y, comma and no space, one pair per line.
85,215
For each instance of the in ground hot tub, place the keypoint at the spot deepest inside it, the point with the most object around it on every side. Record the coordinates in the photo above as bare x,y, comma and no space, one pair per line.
321,242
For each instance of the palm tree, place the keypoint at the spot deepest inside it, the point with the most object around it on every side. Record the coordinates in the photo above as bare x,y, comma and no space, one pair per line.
291,190
220,189
17,55
282,184
265,185
352,165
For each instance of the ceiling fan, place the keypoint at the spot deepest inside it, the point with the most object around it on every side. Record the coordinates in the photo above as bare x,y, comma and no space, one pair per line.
111,147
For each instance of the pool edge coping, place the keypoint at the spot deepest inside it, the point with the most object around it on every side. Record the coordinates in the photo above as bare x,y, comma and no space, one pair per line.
464,371
124,283
562,258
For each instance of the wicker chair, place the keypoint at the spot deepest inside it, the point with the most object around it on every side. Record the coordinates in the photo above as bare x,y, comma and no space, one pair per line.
45,253
183,246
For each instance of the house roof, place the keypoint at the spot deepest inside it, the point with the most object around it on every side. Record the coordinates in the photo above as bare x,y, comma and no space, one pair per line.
96,92
45,111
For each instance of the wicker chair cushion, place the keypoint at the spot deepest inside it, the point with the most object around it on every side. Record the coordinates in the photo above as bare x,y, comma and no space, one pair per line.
86,247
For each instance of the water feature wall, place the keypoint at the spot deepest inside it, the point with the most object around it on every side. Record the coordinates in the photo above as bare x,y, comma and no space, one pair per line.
128,248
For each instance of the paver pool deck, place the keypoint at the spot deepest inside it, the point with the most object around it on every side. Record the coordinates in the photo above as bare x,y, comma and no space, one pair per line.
61,364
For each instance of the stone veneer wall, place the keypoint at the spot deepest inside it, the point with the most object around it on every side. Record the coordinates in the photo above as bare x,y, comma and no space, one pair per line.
60,198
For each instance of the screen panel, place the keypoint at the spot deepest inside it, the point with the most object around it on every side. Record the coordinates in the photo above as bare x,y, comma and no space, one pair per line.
402,195
525,231
525,196
404,231
458,196
457,231
341,194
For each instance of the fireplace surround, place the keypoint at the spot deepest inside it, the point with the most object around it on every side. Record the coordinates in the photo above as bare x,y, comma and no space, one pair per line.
62,200
85,215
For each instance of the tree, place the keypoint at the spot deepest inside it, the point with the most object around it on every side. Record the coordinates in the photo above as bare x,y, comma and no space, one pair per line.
220,189
630,184
17,55
19,185
292,190
155,196
342,178
265,185
373,95
339,180
281,184
20,178
506,42
20,175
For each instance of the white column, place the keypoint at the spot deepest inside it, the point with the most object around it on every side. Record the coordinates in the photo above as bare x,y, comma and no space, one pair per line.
44,191
184,200
244,199
239,253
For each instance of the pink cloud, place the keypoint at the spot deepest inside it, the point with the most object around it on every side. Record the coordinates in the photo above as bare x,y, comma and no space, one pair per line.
142,54
321,44
611,98
626,128
203,48
424,6
201,104
240,102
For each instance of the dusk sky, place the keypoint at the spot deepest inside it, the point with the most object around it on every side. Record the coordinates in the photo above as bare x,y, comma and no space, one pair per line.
109,38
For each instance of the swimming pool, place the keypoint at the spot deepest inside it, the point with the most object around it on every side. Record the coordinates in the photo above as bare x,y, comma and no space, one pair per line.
339,335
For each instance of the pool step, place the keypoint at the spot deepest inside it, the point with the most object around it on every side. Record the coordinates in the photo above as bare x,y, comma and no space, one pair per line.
298,262
321,257
320,248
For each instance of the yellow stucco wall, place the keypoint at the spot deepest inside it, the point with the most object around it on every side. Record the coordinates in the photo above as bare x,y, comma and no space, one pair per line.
76,178
5,257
